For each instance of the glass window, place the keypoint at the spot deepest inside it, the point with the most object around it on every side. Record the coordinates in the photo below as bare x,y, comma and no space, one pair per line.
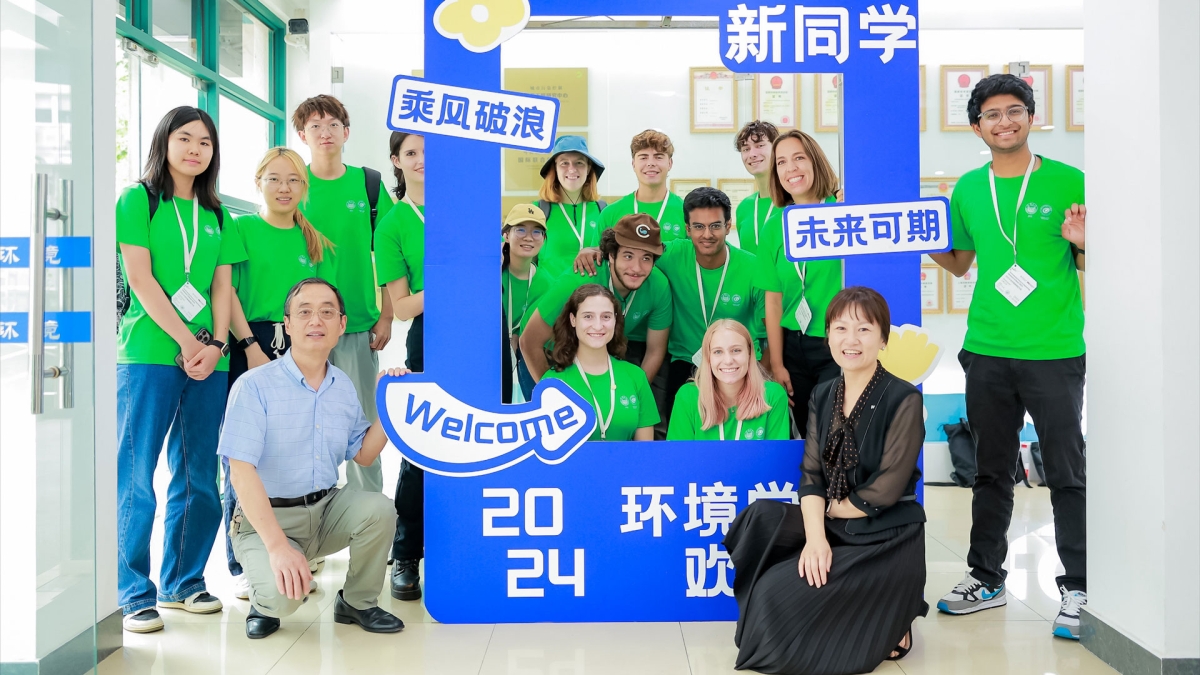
173,25
245,53
121,10
145,94
244,140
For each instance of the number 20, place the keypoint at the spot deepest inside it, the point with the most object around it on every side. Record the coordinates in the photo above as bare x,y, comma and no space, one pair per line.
514,508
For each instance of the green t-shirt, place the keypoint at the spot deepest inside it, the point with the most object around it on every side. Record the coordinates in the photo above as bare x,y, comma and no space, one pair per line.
1049,323
738,298
141,341
635,407
521,295
276,260
400,247
339,210
672,224
749,227
772,425
649,307
822,278
563,235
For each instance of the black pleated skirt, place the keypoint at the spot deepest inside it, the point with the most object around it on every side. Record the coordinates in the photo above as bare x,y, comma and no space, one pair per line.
850,625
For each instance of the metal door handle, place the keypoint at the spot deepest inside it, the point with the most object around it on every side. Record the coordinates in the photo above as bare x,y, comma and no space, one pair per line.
37,291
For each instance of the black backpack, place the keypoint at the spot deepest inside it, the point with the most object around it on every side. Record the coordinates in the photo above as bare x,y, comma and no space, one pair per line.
545,206
962,452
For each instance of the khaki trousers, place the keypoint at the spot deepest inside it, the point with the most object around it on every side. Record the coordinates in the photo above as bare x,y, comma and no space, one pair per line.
353,355
363,521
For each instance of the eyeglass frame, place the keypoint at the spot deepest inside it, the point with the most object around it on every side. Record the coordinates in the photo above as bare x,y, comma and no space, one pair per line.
713,227
1025,113
276,181
297,314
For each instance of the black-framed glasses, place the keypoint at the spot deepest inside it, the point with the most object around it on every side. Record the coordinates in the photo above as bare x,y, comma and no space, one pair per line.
1015,113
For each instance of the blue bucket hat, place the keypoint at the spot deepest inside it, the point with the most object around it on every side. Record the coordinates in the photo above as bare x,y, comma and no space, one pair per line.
572,144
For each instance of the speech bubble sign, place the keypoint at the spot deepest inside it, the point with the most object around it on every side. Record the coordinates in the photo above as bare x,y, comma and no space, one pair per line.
824,231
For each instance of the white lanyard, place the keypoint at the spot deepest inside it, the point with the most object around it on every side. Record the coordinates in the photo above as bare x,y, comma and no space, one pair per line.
800,272
408,200
529,284
757,226
189,253
661,211
1020,200
628,303
704,313
582,229
736,435
612,396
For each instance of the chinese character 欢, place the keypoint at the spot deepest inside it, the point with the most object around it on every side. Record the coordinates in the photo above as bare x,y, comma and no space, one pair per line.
887,225
529,121
654,511
8,255
417,106
892,25
773,491
454,111
828,30
807,233
924,225
717,508
849,229
699,562
491,117
753,32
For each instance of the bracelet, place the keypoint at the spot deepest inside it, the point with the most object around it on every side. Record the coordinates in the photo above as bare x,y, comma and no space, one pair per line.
1080,251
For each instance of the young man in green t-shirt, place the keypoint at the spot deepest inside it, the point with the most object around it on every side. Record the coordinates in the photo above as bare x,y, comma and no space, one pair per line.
753,142
1022,217
652,160
340,206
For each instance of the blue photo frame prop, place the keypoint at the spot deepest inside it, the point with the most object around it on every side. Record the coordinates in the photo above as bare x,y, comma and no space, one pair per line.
494,541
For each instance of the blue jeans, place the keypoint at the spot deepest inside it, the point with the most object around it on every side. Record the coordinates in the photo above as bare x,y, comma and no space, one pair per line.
153,401
228,504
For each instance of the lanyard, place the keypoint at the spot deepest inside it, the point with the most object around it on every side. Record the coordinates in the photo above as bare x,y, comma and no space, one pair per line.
757,225
612,396
578,231
736,435
704,313
661,211
1020,199
189,253
628,303
801,270
512,327
408,200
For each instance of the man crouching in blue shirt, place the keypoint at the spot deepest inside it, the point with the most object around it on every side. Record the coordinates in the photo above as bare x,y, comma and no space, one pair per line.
289,424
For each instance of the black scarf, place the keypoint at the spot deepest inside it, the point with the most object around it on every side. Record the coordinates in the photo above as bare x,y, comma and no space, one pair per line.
841,449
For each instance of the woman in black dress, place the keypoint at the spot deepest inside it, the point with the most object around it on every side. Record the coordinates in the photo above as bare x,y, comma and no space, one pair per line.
832,586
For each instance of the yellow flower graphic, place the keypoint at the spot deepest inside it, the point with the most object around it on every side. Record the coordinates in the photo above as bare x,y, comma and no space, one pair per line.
481,25
910,355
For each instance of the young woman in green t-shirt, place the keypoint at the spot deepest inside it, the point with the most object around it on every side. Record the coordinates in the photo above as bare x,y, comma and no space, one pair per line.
730,398
797,293
569,199
588,334
176,264
521,285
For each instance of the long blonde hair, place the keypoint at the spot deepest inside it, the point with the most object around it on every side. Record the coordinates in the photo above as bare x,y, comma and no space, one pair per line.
751,400
315,241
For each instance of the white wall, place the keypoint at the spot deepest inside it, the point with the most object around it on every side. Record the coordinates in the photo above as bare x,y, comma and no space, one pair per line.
1144,300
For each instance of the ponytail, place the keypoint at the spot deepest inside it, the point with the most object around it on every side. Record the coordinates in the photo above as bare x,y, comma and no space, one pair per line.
397,139
316,242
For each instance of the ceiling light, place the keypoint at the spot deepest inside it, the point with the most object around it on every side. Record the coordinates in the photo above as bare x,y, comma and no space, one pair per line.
1048,127
939,173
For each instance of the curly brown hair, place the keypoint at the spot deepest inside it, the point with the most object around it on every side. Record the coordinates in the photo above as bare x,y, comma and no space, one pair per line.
566,339
755,131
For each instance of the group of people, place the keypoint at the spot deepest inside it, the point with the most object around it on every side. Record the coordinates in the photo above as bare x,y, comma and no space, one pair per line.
645,309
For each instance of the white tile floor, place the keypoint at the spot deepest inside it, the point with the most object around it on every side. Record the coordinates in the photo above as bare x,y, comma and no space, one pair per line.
1012,639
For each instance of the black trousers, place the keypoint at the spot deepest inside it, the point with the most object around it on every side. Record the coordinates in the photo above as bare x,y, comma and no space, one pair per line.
999,391
635,353
264,333
809,362
409,542
677,375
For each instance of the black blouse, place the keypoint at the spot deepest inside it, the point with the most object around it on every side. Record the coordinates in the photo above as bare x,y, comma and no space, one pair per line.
889,437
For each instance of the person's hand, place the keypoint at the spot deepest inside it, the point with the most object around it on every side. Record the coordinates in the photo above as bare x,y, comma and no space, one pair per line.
1073,225
391,372
255,356
815,561
784,378
381,333
292,576
202,364
587,260
190,348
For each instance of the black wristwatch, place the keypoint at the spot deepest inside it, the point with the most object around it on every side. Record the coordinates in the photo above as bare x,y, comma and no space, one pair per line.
220,345
245,344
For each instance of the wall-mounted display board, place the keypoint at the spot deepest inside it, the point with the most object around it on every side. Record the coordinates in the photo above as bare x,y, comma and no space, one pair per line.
825,101
736,189
961,289
777,100
922,90
1041,79
682,186
932,290
938,186
568,85
1074,98
713,101
956,84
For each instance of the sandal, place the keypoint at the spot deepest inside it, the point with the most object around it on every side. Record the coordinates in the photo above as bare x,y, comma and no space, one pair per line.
900,652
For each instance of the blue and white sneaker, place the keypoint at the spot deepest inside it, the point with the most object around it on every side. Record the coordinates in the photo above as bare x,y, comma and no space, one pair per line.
972,595
1066,624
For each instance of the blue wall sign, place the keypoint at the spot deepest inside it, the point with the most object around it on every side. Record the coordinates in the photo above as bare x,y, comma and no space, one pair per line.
58,327
60,252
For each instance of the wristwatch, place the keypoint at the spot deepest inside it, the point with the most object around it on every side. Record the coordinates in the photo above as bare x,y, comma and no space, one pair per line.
220,345
245,344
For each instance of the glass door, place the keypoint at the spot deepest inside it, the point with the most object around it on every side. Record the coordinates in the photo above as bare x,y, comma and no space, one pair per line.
47,417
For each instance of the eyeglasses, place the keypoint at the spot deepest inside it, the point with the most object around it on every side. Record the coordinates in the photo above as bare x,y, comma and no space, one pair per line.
332,127
326,314
1015,113
522,232
699,228
274,182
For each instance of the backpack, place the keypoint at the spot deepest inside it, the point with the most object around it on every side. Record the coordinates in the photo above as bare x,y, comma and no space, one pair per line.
962,452
153,200
545,206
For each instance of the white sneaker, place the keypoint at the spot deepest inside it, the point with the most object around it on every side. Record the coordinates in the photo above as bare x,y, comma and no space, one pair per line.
199,603
145,621
1066,624
972,595
241,587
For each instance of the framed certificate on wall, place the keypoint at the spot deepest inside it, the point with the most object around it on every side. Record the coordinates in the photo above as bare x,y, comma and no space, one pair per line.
1074,98
1041,79
713,101
956,85
932,289
922,97
938,186
777,100
961,289
736,189
682,186
825,101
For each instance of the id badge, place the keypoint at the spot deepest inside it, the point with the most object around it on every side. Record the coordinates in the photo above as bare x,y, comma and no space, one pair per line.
1015,285
804,315
697,358
188,301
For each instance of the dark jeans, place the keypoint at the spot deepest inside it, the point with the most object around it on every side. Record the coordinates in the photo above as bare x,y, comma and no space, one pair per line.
635,353
409,542
809,363
999,391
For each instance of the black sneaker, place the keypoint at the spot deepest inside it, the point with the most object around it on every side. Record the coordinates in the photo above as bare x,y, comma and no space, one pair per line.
145,621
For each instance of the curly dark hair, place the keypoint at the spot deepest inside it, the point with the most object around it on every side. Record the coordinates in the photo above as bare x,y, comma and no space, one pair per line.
998,85
566,340
754,132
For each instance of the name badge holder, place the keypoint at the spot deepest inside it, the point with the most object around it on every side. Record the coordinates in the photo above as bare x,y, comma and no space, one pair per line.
187,300
804,313
580,231
698,358
606,422
1015,284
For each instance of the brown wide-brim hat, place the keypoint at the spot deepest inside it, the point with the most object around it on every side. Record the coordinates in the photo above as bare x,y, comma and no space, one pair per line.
641,231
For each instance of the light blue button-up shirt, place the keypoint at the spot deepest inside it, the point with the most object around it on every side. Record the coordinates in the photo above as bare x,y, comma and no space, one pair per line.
296,437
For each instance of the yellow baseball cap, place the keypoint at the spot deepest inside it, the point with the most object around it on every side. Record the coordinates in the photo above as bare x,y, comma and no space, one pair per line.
525,213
